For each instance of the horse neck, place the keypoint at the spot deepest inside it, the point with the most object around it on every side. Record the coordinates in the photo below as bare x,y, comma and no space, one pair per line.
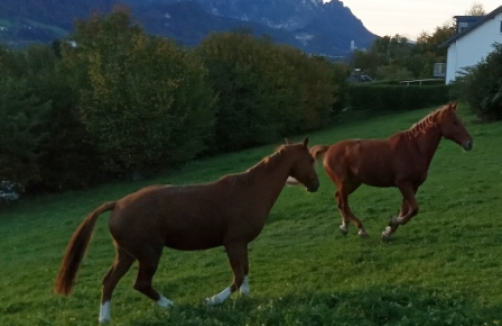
270,176
427,141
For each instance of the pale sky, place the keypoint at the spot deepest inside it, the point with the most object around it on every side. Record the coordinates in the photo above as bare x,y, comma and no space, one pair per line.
410,17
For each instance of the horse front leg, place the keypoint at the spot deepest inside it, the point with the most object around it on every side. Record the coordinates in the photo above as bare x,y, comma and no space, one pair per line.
237,256
409,208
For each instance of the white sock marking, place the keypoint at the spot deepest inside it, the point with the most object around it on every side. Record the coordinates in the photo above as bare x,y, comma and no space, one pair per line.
219,298
104,312
245,289
164,302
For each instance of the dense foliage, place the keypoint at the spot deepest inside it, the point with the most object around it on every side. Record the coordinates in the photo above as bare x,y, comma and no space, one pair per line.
481,86
112,102
144,100
394,97
265,90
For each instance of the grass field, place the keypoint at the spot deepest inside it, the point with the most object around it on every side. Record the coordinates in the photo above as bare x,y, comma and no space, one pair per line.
442,268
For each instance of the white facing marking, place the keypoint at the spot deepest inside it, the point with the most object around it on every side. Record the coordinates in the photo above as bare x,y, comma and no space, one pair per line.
219,298
104,312
292,181
164,302
245,289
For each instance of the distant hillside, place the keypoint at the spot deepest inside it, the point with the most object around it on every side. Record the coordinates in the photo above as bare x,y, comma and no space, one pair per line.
309,25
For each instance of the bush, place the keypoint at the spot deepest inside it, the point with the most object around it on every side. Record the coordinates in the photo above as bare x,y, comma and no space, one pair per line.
386,96
481,86
143,99
20,115
264,90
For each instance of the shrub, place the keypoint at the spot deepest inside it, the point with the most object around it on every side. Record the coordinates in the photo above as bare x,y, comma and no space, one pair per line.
143,99
20,115
387,96
481,86
264,90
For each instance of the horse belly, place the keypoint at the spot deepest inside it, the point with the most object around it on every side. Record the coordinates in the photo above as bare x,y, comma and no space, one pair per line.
192,230
377,173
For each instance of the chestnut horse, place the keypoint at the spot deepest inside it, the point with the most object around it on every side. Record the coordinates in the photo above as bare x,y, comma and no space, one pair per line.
401,161
230,212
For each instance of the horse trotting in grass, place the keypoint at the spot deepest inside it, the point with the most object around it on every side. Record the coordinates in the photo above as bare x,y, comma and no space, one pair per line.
401,161
230,212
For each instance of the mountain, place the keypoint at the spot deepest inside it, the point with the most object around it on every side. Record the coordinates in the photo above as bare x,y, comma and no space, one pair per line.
310,25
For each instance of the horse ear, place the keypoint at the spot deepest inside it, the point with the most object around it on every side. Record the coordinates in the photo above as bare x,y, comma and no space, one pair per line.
453,106
306,141
288,141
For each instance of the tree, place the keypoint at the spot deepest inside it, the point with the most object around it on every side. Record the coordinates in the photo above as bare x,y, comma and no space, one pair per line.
481,86
138,87
477,9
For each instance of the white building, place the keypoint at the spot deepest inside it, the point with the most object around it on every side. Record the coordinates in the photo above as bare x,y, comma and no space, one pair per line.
472,42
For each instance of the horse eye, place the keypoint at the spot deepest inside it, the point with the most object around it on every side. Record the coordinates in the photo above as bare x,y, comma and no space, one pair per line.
455,122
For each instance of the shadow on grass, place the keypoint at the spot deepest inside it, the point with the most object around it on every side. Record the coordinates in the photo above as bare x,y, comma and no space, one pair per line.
376,306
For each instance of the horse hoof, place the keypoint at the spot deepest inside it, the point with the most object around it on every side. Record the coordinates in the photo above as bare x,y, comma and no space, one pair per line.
214,301
385,236
363,234
343,229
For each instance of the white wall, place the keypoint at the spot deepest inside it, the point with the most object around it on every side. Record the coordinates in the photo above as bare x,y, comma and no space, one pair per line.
473,47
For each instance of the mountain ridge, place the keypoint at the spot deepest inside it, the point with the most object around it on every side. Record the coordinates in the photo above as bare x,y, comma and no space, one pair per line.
310,25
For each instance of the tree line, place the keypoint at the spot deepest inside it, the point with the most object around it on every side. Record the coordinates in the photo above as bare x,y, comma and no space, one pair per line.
112,102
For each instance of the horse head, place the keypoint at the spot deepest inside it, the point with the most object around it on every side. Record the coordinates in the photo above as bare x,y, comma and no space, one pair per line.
303,169
452,128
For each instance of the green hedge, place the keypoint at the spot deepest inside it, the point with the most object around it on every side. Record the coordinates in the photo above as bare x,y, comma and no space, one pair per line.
382,96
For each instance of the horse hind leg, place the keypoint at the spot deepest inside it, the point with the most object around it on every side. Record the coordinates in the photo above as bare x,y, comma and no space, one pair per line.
121,265
237,256
148,263
342,198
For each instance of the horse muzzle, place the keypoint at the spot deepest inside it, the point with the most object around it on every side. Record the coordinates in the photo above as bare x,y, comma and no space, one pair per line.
468,145
313,186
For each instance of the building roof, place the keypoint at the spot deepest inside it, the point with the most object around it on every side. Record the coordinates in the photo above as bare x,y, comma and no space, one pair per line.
480,22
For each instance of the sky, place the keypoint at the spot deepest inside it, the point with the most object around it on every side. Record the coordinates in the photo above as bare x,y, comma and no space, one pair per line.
411,17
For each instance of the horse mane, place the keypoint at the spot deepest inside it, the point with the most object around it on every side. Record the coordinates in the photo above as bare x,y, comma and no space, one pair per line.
268,160
428,122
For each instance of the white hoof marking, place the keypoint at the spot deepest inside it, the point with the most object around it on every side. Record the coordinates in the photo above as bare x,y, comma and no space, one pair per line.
363,234
218,298
344,228
387,233
245,288
164,302
104,312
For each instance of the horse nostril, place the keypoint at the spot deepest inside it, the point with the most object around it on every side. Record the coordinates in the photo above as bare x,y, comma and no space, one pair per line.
468,146
313,187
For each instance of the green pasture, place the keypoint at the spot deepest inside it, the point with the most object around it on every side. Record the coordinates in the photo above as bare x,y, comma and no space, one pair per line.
442,268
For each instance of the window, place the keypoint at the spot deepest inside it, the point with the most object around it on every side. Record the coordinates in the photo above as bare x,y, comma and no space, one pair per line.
462,26
500,29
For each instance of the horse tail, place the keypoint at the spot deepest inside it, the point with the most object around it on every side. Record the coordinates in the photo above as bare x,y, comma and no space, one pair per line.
319,150
76,249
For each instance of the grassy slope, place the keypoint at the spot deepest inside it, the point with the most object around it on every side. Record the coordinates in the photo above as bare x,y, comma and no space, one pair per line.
443,268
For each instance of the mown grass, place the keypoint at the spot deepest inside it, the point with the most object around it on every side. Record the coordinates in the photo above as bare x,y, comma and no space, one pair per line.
443,268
